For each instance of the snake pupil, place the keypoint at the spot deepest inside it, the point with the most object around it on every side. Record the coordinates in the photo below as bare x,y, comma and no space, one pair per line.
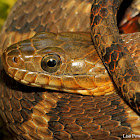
15,60
51,63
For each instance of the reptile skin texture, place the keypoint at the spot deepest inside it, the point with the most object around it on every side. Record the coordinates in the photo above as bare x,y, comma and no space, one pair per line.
113,51
37,113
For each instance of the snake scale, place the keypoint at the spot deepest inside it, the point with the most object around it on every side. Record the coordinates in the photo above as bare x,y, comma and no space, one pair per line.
113,51
34,113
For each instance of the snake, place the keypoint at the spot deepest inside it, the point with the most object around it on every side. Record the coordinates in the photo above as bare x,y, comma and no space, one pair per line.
113,51
34,113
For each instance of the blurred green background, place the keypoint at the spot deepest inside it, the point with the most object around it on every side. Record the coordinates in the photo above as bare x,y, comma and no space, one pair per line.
5,6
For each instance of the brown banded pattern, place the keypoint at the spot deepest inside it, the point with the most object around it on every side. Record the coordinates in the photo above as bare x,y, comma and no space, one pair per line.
113,50
35,113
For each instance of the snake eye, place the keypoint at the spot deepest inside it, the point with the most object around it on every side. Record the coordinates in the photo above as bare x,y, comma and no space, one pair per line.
50,62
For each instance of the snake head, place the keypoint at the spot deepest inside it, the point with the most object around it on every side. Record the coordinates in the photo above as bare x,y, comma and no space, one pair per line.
65,61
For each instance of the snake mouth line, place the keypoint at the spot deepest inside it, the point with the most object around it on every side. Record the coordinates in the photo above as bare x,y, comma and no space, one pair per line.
67,84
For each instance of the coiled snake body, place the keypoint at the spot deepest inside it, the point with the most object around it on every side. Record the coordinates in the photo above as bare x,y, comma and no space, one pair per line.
34,113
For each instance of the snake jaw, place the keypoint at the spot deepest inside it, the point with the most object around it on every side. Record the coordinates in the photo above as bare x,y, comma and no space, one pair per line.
66,83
